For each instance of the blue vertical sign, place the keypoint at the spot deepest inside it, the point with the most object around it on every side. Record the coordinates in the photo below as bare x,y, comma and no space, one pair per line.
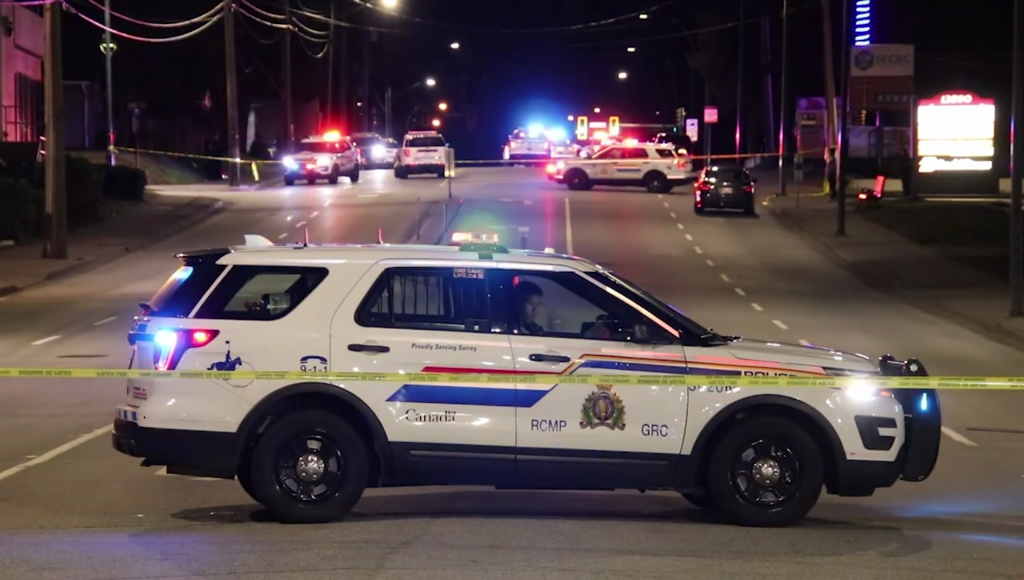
862,23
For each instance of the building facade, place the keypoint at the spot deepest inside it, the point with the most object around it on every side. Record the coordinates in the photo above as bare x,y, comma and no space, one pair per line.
21,72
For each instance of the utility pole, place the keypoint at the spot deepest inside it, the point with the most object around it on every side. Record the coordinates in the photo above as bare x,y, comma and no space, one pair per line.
108,49
1017,167
343,92
231,72
830,77
366,73
56,214
330,66
739,82
783,98
286,63
843,139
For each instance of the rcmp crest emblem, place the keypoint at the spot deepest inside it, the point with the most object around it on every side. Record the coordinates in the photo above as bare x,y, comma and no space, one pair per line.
603,408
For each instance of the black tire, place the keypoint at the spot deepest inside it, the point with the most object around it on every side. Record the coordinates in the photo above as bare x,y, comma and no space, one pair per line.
440,173
749,209
354,176
289,180
311,180
340,446
699,500
576,180
333,178
400,173
657,182
762,454
697,208
244,477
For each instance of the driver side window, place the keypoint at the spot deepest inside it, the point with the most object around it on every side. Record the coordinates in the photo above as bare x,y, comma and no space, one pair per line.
564,305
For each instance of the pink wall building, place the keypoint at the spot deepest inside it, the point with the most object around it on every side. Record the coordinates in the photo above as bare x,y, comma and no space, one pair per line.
21,72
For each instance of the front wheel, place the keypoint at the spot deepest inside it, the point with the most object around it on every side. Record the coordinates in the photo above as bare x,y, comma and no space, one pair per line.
765,472
657,182
697,208
576,180
333,177
289,180
309,467
354,176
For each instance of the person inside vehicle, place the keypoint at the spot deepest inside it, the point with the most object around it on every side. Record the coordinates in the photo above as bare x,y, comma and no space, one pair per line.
529,299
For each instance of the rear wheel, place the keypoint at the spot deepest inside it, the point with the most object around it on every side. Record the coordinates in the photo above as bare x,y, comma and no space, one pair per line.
657,182
400,173
576,180
289,180
333,178
309,467
354,176
697,208
765,472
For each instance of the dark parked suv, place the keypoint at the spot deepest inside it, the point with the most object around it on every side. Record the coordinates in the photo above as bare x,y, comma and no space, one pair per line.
724,187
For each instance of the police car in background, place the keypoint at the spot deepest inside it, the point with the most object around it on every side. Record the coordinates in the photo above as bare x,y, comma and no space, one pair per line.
326,157
658,168
523,144
306,448
421,152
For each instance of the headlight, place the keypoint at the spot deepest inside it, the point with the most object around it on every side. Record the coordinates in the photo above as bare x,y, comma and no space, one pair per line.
377,151
289,163
323,161
860,387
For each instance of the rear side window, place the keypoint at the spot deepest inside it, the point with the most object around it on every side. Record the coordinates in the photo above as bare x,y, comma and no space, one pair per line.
452,299
666,153
425,142
183,290
261,292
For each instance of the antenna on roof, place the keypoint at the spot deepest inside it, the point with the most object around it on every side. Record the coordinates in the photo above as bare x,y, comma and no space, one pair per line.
380,235
305,237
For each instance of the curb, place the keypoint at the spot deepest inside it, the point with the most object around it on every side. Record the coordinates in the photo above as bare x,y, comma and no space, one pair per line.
990,330
85,264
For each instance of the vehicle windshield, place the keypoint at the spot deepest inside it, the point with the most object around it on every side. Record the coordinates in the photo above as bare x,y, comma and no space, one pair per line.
523,136
732,174
663,309
366,141
425,142
390,143
318,147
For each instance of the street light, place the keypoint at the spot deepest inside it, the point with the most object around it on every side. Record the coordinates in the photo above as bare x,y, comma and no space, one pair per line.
622,75
454,46
390,4
597,110
631,49
442,106
571,118
643,17
430,81
436,123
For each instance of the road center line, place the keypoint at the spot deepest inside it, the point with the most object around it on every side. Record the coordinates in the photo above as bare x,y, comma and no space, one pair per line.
710,263
757,306
300,224
46,340
740,291
958,437
698,250
724,277
283,236
804,342
680,226
104,321
689,237
672,214
665,203
568,228
54,452
780,324
314,214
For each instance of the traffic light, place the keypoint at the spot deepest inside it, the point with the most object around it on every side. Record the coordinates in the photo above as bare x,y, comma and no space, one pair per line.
613,126
680,117
582,130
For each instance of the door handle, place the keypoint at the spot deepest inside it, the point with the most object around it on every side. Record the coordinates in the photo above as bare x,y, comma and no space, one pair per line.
368,348
555,358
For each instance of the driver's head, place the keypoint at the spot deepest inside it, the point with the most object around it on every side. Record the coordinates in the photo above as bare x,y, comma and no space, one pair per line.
529,297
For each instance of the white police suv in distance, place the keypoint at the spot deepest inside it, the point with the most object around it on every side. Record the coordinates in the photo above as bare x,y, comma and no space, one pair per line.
658,168
329,156
421,152
306,448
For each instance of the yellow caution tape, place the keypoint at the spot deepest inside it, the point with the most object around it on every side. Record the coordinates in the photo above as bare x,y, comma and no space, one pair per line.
789,381
192,155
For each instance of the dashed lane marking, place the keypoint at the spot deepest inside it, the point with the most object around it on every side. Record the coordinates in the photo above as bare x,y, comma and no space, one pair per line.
300,224
46,340
804,342
740,291
314,214
680,226
689,238
104,321
757,306
672,214
710,263
780,324
725,278
665,203
958,437
698,250
54,452
283,236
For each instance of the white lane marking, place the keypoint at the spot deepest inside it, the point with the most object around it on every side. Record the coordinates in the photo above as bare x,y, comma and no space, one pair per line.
689,238
55,452
780,324
665,203
31,456
300,224
660,196
163,471
740,291
680,226
46,340
314,214
104,321
804,342
698,250
568,228
724,277
958,437
2,298
757,306
710,263
283,236
368,195
327,203
673,214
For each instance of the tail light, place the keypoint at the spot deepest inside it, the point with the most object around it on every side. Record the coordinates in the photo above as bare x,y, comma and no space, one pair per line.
748,188
407,152
681,163
170,345
703,187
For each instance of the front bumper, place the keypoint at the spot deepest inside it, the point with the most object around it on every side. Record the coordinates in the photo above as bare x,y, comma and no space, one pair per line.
316,171
183,452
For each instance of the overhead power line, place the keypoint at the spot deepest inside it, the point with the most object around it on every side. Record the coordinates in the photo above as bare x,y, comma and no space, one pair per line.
116,32
202,18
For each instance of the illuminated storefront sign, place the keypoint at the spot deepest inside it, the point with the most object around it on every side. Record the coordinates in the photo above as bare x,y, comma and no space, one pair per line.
955,132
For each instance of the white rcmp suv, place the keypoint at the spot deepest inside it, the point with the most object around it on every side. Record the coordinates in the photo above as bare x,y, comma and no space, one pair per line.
421,152
658,168
307,448
322,157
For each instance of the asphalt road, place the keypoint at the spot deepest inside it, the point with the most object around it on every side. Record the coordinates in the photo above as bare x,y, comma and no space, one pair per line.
70,507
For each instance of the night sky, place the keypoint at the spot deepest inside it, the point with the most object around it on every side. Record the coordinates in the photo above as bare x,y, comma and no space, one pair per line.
514,73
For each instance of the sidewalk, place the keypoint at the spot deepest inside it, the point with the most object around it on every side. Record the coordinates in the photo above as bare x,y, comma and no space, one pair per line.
892,264
138,226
